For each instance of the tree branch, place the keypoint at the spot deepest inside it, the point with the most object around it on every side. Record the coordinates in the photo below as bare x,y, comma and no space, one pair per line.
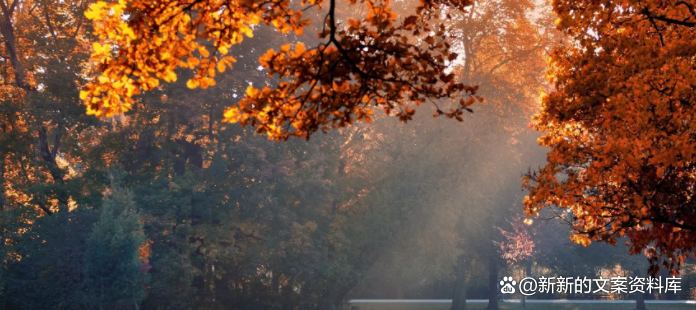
667,19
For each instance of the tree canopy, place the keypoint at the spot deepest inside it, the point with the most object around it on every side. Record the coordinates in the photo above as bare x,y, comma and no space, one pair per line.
381,59
619,125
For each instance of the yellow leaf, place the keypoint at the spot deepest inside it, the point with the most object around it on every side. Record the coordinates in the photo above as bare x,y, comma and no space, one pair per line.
192,83
251,91
129,32
95,9
229,60
232,115
247,31
97,47
299,48
204,52
91,14
221,67
192,62
170,76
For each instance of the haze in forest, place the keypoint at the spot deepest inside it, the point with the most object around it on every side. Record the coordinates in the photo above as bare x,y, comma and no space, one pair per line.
127,181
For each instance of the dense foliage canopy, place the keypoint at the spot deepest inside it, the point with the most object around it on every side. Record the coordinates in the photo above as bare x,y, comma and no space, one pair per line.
620,126
380,59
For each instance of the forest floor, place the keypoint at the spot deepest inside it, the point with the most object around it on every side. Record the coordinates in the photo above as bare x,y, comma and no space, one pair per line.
532,306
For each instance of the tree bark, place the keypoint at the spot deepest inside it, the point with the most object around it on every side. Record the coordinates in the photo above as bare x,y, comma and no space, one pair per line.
48,154
459,296
275,283
527,273
2,182
192,155
7,29
640,297
493,282
286,295
2,198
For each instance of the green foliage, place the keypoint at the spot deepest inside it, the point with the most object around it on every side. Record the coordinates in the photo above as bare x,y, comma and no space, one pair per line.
49,274
115,272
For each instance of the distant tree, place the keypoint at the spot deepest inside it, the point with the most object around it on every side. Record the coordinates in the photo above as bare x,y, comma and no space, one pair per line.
504,46
518,243
44,268
116,255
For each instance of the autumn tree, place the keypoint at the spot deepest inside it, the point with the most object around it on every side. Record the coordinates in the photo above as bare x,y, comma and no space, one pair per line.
43,136
471,168
359,63
518,244
44,45
503,45
619,125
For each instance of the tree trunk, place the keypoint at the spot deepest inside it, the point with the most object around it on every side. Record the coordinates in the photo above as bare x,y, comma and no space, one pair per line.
135,302
287,299
191,154
459,296
7,29
2,190
640,297
48,154
527,273
493,282
275,283
399,287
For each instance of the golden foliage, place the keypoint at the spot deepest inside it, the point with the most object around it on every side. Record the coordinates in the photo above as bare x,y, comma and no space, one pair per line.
370,62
